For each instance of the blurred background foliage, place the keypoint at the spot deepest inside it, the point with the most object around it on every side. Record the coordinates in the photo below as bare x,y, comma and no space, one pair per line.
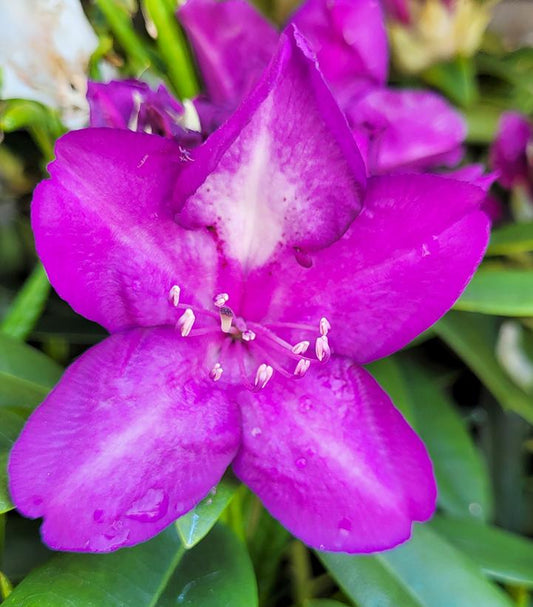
466,385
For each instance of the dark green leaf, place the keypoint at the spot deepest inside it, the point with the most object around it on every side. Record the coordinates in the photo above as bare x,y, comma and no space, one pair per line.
323,603
427,571
10,427
504,292
473,338
215,573
131,577
511,239
26,375
195,525
504,556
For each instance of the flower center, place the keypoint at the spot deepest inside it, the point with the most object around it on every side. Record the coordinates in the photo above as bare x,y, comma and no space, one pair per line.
258,343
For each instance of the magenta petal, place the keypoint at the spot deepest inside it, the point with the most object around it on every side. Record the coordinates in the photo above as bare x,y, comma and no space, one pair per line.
402,264
233,43
263,179
407,129
106,235
508,154
350,40
133,436
334,461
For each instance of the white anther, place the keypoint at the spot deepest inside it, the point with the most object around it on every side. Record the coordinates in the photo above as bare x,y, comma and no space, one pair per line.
248,335
322,349
185,322
263,375
324,326
216,372
174,295
220,299
302,367
300,347
226,319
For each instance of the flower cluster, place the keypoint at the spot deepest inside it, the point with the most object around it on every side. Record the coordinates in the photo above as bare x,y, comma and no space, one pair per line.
248,252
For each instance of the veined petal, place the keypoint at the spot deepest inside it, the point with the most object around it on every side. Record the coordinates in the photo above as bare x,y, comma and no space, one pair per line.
350,41
106,234
508,153
401,265
233,44
133,436
334,461
407,129
284,170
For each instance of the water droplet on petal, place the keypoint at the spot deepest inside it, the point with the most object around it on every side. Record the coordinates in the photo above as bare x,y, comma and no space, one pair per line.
255,432
301,463
345,526
321,547
98,516
151,507
305,404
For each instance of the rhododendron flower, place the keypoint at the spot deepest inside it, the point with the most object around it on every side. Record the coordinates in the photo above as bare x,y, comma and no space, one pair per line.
243,290
511,153
396,129
45,49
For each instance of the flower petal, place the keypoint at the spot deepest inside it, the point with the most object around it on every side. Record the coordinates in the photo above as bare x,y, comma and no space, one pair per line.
233,43
334,461
283,170
508,153
350,40
133,436
401,265
106,234
407,129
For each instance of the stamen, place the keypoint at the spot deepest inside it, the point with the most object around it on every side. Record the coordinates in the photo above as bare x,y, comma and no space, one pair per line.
324,326
174,295
220,299
263,375
322,349
300,347
226,319
216,372
302,367
186,322
248,335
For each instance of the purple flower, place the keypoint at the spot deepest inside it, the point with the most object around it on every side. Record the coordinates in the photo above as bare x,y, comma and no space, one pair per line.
511,154
396,129
242,289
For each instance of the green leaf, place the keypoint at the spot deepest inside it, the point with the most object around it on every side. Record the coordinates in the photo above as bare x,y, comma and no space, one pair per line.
473,338
462,477
456,79
504,556
173,48
427,571
505,292
26,375
511,239
197,523
323,603
131,577
27,306
5,501
215,573
10,427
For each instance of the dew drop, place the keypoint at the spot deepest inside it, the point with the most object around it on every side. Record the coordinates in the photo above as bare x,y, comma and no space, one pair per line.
256,432
98,516
152,506
321,547
345,526
305,404
475,509
301,463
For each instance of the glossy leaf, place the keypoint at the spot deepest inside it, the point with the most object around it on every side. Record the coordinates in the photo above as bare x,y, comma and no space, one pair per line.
504,556
462,478
26,375
215,573
132,577
511,239
427,571
27,306
197,523
504,292
473,338
10,427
